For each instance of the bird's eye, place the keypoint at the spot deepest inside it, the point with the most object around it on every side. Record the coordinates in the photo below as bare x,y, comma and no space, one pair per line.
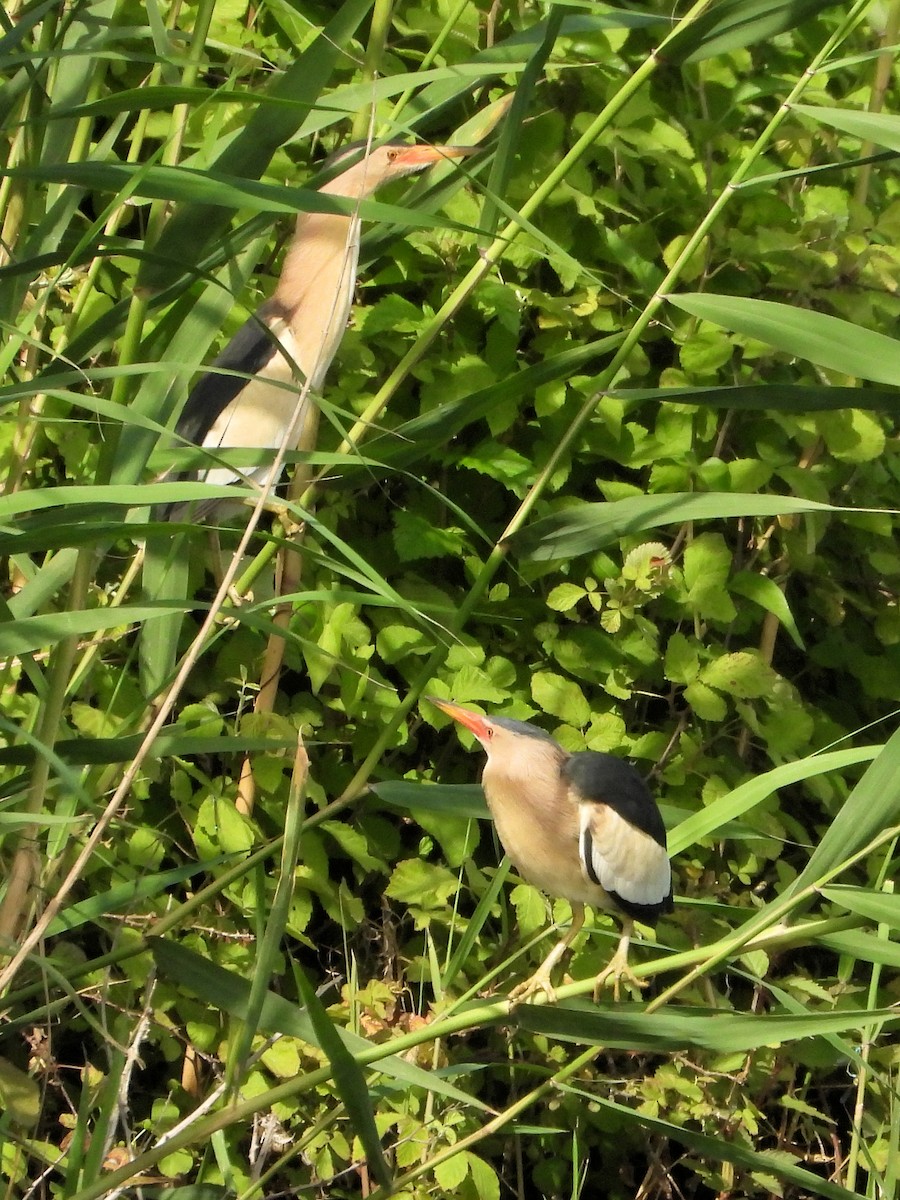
488,732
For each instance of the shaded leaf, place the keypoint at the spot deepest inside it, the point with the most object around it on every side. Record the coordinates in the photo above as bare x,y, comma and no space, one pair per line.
729,25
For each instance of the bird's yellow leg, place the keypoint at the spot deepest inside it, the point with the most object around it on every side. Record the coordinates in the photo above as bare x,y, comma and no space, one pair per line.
540,980
618,967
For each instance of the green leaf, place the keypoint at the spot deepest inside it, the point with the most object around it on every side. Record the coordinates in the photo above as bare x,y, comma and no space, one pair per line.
484,1178
37,633
706,566
772,397
220,828
768,595
348,1079
864,946
705,352
682,659
450,1173
715,1031
870,809
416,537
853,436
20,1095
804,333
353,843
561,697
421,885
707,704
565,596
247,155
742,674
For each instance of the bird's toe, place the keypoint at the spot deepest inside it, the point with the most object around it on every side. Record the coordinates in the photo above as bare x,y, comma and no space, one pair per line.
538,982
613,976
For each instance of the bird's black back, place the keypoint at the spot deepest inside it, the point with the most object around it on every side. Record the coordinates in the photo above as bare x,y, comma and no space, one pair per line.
605,779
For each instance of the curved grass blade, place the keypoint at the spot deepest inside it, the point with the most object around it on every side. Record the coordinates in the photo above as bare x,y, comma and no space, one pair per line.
227,992
742,799
816,337
247,156
880,128
586,528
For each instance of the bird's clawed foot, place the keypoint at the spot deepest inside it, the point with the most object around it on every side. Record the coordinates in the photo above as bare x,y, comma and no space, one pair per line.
538,982
617,970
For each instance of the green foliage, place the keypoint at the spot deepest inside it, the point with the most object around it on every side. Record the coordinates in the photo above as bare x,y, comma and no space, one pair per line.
610,444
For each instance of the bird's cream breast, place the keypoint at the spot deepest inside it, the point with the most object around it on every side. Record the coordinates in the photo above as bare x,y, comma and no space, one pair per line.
538,826
317,281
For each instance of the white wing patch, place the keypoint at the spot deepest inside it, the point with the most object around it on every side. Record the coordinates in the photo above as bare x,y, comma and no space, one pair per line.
263,412
621,858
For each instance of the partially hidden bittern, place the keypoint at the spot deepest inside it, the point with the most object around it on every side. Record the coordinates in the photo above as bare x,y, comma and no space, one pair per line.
257,393
582,826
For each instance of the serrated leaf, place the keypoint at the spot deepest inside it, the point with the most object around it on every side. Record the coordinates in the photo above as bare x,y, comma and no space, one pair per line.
741,674
706,566
450,1173
353,843
392,312
682,659
502,463
425,885
484,1178
852,435
531,908
415,537
221,829
561,697
707,704
565,596
705,352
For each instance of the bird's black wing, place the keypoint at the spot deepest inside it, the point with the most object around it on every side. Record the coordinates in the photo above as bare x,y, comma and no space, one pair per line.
248,352
604,779
622,840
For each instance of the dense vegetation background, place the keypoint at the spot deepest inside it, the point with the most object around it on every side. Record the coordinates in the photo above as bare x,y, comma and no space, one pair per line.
610,444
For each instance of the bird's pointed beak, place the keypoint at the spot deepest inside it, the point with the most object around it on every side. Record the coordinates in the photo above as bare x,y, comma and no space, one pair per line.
416,158
473,721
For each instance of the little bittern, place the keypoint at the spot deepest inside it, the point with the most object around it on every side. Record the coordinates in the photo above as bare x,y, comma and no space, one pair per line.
581,826
284,351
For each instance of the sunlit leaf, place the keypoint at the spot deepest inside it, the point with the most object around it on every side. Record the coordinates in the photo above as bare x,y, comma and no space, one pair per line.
814,336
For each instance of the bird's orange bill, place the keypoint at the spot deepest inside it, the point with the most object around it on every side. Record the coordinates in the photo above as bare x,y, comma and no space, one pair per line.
414,157
472,720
